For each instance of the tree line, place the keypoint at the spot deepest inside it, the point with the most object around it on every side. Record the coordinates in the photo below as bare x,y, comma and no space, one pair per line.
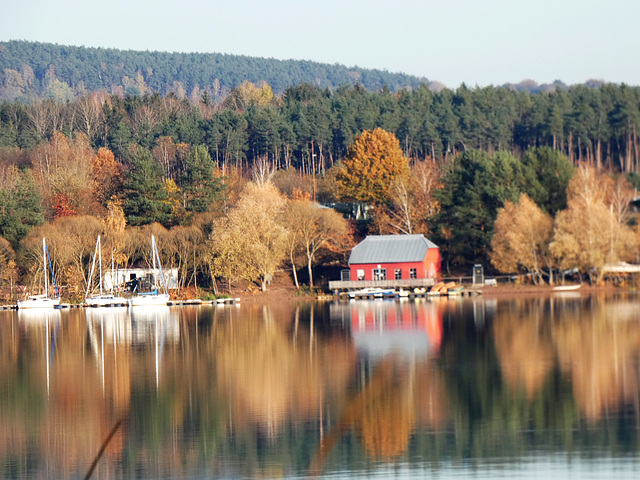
310,128
32,70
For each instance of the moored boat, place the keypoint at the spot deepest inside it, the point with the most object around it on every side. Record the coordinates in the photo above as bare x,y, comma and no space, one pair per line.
566,288
376,292
152,298
101,299
42,300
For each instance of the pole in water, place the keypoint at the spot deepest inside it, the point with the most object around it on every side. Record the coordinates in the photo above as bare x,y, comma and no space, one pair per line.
102,449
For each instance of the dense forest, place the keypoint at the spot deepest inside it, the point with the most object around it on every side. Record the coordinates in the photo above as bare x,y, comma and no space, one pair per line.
31,70
171,161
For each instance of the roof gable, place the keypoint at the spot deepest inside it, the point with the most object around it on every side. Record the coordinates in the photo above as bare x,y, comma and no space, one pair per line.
391,249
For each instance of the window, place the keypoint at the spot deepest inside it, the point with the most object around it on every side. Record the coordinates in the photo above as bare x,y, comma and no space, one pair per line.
413,273
360,273
397,274
379,273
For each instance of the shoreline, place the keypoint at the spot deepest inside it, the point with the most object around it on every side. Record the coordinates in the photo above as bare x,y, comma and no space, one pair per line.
289,294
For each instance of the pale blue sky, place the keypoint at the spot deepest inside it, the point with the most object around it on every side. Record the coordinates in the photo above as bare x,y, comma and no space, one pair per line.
478,42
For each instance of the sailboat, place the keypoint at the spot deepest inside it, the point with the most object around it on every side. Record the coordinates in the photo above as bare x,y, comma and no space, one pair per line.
101,299
43,300
152,297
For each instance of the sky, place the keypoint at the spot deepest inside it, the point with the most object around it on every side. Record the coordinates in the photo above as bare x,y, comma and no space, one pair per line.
476,42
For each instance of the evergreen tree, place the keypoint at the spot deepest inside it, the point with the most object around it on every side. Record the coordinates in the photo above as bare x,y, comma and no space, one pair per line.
145,197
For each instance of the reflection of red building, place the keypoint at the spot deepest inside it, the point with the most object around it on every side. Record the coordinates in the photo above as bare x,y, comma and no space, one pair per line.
394,257
380,327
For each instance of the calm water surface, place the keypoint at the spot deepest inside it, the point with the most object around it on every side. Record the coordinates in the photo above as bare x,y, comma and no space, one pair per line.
533,387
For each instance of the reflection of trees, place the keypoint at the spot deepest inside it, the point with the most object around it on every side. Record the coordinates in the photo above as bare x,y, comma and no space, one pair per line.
597,347
524,348
385,411
269,372
58,426
600,351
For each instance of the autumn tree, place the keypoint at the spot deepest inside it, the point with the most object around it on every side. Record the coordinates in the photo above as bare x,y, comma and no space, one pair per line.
70,242
411,201
247,94
371,166
521,239
89,114
184,248
589,233
63,166
107,175
8,267
250,241
313,229
114,224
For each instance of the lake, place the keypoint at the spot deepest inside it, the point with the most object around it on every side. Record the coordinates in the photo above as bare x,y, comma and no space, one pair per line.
527,387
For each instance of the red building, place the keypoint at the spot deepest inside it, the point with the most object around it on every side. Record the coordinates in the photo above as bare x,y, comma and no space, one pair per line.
395,257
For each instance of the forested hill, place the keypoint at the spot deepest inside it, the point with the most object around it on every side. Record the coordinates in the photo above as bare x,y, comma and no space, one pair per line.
31,70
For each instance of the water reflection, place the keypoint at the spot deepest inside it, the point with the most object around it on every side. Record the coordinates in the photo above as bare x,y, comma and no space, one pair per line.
595,346
452,387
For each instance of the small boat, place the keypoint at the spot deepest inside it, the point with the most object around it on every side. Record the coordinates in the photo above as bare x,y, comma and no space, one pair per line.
566,288
38,301
152,297
436,289
376,292
101,299
402,293
43,300
455,290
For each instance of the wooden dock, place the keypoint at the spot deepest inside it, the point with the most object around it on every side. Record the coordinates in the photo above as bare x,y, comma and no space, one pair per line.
408,295
193,301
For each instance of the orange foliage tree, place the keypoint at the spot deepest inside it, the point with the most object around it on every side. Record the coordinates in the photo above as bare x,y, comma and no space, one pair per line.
107,175
372,164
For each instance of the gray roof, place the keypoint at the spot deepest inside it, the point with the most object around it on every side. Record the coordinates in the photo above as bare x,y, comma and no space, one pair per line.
391,249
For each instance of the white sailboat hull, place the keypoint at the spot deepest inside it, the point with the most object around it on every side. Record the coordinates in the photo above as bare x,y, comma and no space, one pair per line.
38,301
105,300
148,300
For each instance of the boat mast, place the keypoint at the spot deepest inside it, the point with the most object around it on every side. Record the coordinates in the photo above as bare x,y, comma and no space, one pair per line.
100,264
153,254
156,255
93,266
44,268
112,277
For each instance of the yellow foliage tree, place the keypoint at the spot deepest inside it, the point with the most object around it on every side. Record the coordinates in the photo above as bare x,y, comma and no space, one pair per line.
590,233
114,224
247,94
65,167
521,239
313,228
372,164
250,242
8,270
70,242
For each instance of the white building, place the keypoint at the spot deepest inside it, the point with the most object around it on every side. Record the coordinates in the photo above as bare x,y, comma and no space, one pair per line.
121,276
